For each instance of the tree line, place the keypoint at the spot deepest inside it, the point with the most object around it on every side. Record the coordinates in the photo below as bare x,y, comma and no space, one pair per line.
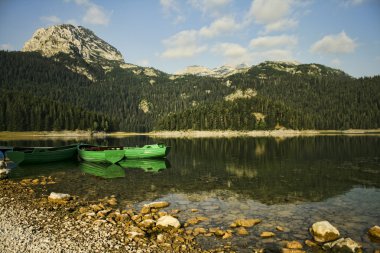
57,98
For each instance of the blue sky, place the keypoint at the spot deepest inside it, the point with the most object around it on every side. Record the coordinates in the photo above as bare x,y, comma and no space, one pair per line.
172,34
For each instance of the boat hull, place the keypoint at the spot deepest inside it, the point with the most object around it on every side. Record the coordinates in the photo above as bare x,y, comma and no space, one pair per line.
106,155
147,151
43,155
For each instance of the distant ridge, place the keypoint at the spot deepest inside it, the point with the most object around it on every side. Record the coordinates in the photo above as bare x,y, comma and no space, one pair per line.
291,67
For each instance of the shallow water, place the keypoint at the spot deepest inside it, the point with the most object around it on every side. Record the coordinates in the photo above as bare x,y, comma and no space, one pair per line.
285,182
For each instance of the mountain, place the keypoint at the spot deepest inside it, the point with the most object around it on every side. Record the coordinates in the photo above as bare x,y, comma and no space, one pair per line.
262,69
71,80
76,42
223,71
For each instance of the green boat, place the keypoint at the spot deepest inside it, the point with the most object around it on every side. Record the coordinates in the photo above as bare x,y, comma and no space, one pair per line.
102,170
91,153
148,165
24,155
147,151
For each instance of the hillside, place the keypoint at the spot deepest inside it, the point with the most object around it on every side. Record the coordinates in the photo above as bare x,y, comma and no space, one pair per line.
127,97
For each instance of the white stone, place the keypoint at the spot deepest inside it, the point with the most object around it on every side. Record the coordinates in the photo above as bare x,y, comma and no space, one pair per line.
135,234
323,231
3,164
4,173
343,245
158,204
168,221
160,238
59,196
147,223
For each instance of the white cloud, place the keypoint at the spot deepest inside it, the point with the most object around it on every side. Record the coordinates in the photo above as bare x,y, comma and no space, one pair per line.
269,11
6,47
51,19
274,41
183,52
172,7
210,7
186,37
219,26
281,25
183,45
187,43
232,50
169,5
334,44
275,15
95,14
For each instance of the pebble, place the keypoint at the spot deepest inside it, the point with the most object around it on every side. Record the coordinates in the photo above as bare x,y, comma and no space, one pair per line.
266,234
242,231
374,231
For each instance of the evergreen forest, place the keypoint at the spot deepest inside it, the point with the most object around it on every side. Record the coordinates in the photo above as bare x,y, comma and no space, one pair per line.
38,93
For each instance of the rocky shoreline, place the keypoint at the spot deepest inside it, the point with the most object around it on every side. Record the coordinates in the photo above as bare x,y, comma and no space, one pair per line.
31,221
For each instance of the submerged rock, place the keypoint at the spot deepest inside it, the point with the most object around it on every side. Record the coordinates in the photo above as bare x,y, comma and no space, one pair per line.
374,231
311,243
147,208
198,231
60,198
343,245
294,245
245,223
286,250
168,221
267,234
196,220
323,231
242,231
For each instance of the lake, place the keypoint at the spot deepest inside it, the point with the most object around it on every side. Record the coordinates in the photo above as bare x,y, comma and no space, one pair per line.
287,182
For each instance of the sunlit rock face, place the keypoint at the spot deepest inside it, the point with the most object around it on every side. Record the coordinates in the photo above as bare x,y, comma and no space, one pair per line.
223,71
76,42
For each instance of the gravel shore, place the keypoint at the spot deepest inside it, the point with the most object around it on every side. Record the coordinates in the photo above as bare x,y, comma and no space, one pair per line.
27,226
31,221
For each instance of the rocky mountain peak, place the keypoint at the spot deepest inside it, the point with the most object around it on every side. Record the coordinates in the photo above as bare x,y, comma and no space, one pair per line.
75,41
223,71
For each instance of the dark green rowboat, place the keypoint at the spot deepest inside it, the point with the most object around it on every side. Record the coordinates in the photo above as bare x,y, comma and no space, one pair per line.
25,155
147,151
92,153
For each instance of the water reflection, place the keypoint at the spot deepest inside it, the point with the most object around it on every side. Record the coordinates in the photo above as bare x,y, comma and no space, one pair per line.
263,169
286,182
105,171
147,165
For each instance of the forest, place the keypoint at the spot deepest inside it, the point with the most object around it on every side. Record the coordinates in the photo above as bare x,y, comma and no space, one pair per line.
38,93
